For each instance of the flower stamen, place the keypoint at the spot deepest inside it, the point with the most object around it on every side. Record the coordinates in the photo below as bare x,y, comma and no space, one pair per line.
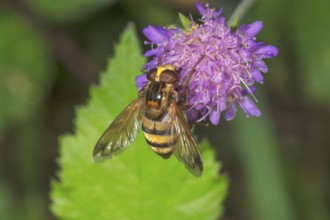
248,88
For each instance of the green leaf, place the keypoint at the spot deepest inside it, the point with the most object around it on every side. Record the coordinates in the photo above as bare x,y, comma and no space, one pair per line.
137,184
234,23
186,22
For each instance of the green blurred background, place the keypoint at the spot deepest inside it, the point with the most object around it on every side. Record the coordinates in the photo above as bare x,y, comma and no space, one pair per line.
52,51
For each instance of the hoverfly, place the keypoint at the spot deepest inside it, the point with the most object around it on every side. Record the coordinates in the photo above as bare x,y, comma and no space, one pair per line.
159,112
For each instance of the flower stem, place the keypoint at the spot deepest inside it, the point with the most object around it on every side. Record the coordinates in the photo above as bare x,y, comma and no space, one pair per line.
241,9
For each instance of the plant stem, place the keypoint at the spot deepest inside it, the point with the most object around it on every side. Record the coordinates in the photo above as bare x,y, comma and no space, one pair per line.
241,9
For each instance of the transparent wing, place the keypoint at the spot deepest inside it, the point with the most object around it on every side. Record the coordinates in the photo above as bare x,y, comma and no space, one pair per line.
186,149
121,132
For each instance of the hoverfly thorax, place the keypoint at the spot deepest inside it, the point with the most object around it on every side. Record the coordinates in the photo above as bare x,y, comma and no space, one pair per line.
160,89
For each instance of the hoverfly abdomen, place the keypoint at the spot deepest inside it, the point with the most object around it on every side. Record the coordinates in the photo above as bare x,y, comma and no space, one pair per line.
160,135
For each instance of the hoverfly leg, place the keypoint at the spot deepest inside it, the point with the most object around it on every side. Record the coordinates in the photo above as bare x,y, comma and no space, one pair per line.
183,100
160,62
186,81
206,124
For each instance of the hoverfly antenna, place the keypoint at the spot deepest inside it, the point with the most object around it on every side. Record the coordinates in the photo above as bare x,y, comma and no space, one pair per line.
161,60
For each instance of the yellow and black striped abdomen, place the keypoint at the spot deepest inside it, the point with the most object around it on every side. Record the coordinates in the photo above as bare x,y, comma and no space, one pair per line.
159,135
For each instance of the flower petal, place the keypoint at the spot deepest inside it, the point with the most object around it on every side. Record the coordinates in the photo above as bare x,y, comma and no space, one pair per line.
251,30
267,51
200,8
215,117
192,115
150,65
260,65
251,90
231,112
257,76
249,107
154,34
149,53
141,81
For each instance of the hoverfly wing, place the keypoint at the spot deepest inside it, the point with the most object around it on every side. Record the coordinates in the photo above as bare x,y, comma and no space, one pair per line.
121,132
186,149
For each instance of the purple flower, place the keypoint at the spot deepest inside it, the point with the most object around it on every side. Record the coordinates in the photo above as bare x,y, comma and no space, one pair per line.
229,63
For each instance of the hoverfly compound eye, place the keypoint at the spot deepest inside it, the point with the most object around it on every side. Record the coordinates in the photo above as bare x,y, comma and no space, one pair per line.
168,76
151,75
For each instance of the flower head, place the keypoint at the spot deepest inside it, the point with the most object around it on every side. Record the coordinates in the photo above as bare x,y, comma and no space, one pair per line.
227,63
